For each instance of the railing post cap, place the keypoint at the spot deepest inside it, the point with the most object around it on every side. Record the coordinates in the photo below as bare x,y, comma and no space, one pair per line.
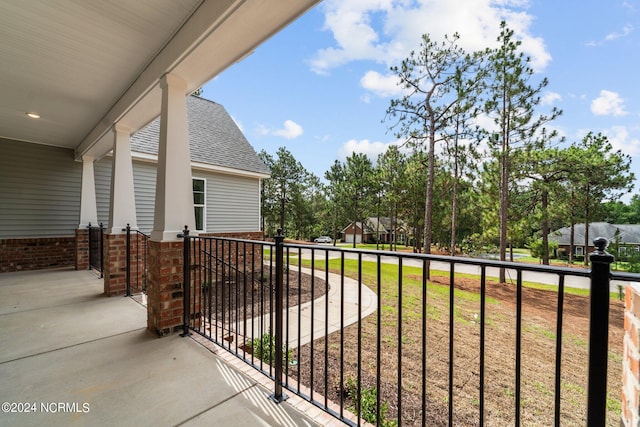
600,244
601,254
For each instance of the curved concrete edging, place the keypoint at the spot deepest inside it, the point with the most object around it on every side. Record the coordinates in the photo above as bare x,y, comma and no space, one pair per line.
316,327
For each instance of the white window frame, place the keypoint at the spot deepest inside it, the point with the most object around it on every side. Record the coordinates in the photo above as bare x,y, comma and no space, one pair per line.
198,205
579,250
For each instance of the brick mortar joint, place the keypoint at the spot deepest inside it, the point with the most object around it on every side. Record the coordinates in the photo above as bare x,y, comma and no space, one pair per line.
628,344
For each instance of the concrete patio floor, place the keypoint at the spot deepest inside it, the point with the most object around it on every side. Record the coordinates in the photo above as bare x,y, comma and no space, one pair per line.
72,356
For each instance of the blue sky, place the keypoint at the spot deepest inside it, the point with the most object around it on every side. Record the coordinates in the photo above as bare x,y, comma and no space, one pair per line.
321,86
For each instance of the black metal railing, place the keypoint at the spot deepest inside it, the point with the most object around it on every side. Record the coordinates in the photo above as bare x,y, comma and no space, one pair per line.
136,267
96,259
410,339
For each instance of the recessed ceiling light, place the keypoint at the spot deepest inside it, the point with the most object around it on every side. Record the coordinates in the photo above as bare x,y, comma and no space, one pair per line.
33,115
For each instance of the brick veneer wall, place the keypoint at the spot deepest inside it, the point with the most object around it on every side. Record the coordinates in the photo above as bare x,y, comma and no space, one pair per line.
631,358
37,253
249,250
165,289
115,264
164,292
82,249
138,262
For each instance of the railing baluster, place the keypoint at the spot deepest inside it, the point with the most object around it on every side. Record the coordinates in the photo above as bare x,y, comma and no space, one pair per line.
236,293
518,343
378,336
210,281
483,299
342,335
218,284
424,342
101,250
311,325
452,288
359,340
326,328
244,294
399,342
128,257
186,281
558,381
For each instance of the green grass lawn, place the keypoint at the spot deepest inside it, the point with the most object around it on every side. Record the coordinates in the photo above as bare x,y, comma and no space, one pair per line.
406,305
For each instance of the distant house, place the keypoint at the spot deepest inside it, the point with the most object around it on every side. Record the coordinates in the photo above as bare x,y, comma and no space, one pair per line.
625,237
372,229
226,172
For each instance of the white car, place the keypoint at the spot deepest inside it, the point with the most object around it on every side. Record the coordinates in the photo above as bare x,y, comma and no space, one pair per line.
323,239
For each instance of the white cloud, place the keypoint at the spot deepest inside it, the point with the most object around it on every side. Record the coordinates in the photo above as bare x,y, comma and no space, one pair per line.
386,31
620,139
262,130
626,30
550,98
608,104
364,146
290,130
383,86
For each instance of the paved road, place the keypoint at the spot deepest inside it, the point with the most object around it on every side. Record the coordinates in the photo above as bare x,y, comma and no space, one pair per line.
529,276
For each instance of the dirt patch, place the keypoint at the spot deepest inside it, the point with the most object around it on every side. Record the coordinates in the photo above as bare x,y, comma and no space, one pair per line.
405,330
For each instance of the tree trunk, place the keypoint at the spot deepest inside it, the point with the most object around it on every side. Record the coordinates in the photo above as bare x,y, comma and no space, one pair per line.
428,214
454,195
378,227
504,179
572,240
545,228
586,232
504,200
573,229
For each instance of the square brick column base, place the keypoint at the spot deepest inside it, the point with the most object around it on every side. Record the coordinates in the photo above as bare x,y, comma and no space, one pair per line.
115,264
164,287
82,249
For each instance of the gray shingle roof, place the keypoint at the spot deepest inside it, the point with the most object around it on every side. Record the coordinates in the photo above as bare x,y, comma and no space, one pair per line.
214,138
629,233
385,226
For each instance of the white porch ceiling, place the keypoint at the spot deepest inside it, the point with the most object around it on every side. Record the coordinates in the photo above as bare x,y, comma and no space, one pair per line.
83,65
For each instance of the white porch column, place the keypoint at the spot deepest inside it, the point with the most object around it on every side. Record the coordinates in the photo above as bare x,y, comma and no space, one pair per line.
122,208
88,207
174,188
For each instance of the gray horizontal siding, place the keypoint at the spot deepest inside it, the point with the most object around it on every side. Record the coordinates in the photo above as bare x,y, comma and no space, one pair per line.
144,182
102,173
39,190
232,202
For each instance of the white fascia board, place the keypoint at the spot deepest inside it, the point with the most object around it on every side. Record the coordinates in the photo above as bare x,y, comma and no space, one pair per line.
152,158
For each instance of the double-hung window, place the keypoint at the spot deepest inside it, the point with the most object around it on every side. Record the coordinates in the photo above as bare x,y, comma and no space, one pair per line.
199,202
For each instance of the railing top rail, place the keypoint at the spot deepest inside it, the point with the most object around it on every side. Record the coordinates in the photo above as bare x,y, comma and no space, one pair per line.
229,239
581,272
630,277
148,236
